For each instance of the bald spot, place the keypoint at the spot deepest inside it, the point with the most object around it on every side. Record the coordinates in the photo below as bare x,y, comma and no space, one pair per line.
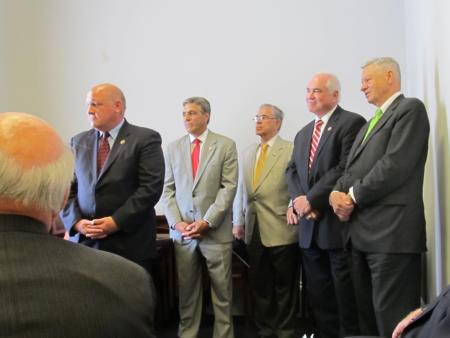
30,141
109,91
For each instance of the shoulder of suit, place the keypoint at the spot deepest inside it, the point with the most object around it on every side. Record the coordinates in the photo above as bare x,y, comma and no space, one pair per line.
220,137
349,114
408,101
132,128
83,135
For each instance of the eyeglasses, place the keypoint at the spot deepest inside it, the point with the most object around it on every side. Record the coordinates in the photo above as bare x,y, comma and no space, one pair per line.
259,118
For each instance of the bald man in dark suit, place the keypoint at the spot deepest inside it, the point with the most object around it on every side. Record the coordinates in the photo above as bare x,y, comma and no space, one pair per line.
111,205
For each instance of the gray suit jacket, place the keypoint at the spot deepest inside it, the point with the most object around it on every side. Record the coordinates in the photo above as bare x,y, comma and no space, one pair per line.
127,189
210,195
386,173
55,288
269,200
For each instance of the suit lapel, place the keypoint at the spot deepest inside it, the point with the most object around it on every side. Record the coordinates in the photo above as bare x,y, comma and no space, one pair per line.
329,129
120,143
187,159
383,120
274,154
305,158
208,150
250,162
91,152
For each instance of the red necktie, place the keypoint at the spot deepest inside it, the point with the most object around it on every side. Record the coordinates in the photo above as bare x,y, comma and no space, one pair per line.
195,156
314,142
103,151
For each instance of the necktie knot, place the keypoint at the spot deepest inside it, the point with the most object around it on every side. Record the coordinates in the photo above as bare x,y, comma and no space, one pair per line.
373,122
314,142
260,163
103,151
195,156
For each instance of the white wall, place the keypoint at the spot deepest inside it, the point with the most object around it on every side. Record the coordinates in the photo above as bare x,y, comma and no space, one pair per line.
236,53
428,63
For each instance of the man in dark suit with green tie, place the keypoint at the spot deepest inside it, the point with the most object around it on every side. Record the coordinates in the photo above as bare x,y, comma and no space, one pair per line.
380,195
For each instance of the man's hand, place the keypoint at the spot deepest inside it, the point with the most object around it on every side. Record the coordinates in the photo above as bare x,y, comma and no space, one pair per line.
398,331
101,227
342,205
82,226
195,229
301,205
238,231
312,215
181,226
291,216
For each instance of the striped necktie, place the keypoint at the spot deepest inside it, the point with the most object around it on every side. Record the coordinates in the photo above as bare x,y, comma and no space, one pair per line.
314,142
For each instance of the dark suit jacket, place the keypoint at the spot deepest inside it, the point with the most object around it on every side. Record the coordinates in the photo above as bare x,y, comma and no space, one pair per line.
386,173
434,322
127,189
327,167
55,288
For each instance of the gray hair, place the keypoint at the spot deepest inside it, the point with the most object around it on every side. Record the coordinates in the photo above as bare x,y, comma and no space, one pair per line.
43,187
201,101
385,63
276,111
333,84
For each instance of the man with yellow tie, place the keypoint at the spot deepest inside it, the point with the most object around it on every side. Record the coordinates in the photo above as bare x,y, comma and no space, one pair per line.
259,213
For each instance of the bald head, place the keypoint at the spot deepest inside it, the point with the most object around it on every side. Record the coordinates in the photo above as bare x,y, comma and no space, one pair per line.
35,166
28,140
106,106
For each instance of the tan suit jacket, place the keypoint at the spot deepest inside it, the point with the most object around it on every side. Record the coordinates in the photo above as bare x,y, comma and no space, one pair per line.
269,200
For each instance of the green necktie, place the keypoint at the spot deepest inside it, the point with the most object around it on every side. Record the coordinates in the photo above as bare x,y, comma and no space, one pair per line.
373,122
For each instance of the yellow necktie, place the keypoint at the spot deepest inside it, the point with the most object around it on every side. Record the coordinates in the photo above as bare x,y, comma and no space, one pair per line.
373,122
260,163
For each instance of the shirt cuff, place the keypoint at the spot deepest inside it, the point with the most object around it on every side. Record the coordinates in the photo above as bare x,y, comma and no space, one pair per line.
350,192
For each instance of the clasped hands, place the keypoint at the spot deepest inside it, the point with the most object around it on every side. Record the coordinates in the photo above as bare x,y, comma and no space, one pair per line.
342,205
97,228
194,230
301,208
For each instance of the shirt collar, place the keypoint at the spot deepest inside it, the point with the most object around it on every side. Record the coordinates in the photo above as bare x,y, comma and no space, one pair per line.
202,137
271,141
115,131
327,116
384,107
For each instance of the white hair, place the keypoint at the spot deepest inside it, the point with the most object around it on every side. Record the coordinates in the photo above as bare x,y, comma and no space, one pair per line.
43,187
386,63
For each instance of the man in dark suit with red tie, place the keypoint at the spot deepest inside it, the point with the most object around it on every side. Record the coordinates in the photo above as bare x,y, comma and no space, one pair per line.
119,177
319,156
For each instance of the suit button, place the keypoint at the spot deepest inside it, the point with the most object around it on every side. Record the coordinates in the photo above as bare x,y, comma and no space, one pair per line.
191,211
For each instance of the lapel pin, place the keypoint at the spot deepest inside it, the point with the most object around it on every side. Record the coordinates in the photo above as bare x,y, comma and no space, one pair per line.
122,141
329,128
